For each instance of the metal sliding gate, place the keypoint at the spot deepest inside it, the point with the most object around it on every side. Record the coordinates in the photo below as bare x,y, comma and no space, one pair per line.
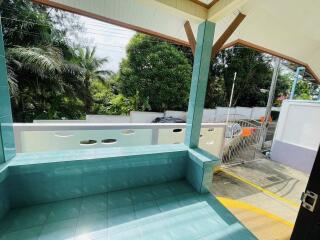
242,141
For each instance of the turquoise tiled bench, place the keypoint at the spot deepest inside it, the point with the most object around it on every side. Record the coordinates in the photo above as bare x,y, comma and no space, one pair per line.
46,177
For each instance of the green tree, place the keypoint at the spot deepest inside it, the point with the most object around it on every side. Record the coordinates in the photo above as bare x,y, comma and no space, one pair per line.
91,66
42,79
156,74
254,73
49,77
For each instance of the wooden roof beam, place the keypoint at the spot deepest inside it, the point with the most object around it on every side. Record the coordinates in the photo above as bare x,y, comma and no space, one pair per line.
273,53
224,8
227,33
190,36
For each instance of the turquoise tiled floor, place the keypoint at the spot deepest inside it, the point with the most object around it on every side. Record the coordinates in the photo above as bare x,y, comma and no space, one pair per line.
167,211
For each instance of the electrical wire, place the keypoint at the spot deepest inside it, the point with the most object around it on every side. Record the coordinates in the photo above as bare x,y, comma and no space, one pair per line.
92,32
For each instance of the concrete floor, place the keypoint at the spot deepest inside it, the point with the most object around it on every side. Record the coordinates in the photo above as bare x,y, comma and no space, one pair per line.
270,187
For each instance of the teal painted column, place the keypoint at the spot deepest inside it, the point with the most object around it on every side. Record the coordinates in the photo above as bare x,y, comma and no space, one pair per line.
7,146
199,83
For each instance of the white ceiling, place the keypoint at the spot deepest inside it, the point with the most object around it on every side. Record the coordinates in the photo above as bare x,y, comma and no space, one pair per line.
288,27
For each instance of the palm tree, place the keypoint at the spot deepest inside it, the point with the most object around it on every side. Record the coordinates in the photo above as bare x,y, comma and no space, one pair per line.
46,63
41,72
91,65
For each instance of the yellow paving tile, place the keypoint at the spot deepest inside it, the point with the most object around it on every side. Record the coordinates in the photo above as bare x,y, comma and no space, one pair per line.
262,224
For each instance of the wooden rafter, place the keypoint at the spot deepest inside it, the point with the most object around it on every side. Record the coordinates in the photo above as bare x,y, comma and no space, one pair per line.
190,36
227,33
273,53
64,7
212,3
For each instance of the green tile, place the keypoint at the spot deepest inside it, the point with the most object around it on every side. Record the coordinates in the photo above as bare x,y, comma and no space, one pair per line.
199,82
146,209
101,234
120,216
185,215
180,187
4,97
7,134
93,204
161,191
119,199
59,230
64,210
143,194
168,203
188,198
7,146
29,217
27,234
92,225
131,234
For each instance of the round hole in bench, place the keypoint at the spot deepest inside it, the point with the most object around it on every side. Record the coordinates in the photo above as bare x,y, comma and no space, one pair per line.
177,130
128,132
109,141
88,142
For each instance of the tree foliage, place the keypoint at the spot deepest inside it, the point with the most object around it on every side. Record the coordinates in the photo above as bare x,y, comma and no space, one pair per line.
156,74
49,77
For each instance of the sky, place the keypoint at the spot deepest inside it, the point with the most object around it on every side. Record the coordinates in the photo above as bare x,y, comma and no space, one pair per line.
110,40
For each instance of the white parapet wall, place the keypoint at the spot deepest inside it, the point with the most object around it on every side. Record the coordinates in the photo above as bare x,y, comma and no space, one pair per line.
297,136
43,137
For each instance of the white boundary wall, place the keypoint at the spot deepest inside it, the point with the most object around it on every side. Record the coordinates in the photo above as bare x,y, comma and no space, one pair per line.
297,136
243,112
108,119
209,116
176,114
144,117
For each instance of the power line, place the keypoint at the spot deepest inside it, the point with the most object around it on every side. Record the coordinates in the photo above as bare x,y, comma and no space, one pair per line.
92,32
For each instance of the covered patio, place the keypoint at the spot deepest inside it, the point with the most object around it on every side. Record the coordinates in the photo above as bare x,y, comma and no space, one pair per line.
146,192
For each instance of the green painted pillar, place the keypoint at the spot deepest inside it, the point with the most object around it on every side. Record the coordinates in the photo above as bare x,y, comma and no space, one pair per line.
7,145
199,83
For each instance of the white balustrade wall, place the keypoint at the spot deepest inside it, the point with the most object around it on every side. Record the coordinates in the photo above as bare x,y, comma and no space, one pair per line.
297,135
40,137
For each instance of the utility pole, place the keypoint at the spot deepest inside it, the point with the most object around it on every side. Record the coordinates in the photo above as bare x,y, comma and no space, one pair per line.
296,79
231,96
272,90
